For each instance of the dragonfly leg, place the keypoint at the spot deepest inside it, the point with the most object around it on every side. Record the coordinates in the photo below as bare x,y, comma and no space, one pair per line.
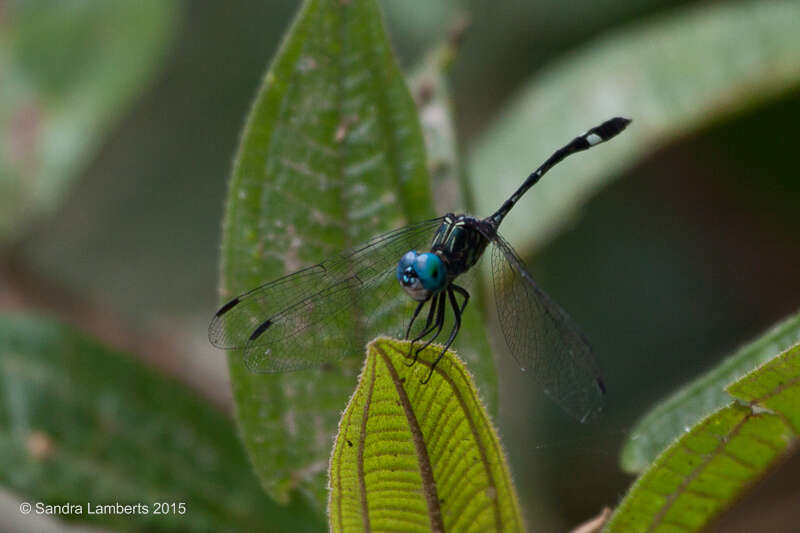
414,317
429,325
451,290
463,292
438,326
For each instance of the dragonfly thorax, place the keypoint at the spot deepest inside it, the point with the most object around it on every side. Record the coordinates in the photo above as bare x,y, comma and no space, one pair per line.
460,241
421,275
457,245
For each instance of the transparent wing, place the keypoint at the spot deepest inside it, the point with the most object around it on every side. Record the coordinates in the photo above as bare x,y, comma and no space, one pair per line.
542,338
323,312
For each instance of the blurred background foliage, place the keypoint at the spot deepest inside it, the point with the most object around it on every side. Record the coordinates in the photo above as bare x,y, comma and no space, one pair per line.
692,249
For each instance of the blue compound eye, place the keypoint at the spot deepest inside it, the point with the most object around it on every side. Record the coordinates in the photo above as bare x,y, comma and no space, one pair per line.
431,271
405,263
421,274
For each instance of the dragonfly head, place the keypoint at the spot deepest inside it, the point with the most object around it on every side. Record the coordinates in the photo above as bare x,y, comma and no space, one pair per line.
421,274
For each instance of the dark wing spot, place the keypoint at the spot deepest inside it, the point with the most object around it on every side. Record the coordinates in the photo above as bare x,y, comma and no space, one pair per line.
601,385
227,307
260,329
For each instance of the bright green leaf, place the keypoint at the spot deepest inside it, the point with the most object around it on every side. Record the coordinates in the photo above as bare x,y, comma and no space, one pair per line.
739,54
707,469
332,155
774,386
82,423
418,457
69,71
685,407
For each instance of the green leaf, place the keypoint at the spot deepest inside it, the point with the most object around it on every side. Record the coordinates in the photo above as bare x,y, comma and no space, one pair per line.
70,70
742,53
433,94
685,407
707,469
81,423
774,386
418,457
332,155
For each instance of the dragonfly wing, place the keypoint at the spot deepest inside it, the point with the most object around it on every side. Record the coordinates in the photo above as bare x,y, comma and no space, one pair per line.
327,326
234,323
321,313
542,338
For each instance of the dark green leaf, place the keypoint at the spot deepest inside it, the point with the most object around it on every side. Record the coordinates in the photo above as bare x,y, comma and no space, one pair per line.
332,155
686,406
708,468
84,424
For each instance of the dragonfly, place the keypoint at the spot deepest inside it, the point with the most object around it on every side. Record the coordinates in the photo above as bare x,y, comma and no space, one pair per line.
323,312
